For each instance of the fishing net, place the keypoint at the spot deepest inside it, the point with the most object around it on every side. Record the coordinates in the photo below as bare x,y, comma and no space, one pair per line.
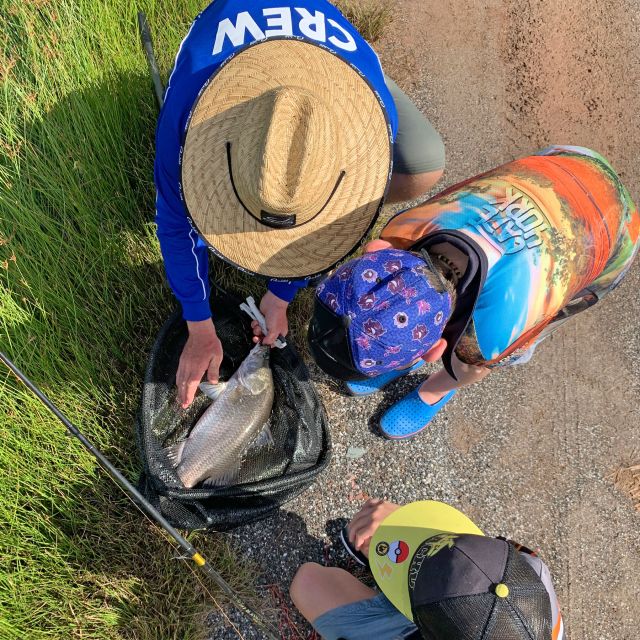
269,476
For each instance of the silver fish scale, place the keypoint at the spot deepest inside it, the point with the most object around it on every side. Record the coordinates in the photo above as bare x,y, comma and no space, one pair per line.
217,443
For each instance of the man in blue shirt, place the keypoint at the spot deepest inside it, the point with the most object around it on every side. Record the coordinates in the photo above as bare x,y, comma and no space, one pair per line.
275,149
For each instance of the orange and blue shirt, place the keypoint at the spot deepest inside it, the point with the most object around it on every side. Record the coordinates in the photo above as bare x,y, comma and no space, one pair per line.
556,232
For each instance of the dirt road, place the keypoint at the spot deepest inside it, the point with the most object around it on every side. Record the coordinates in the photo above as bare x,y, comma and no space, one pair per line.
527,452
502,79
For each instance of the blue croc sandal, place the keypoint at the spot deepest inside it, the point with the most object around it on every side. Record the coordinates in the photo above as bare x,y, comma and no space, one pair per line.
410,416
371,385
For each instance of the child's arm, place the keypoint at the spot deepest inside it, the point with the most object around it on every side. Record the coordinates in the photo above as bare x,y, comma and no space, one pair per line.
436,386
367,520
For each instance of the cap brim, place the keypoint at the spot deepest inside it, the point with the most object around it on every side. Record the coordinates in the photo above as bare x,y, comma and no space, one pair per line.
329,344
365,157
411,525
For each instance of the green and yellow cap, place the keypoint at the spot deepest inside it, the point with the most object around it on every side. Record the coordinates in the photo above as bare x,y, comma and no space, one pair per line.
401,534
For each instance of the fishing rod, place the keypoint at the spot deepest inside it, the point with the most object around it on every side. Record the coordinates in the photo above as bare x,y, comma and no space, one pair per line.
147,43
144,505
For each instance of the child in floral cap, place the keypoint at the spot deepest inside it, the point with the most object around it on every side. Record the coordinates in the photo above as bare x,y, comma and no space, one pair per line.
477,276
392,317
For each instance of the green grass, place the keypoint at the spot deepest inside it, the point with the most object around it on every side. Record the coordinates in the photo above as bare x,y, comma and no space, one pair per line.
371,17
82,296
81,299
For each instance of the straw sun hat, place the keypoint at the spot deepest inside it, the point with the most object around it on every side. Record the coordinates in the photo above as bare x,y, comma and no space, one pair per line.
286,159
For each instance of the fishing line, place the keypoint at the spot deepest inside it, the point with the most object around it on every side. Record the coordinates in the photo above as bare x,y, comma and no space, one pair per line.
218,606
144,505
196,577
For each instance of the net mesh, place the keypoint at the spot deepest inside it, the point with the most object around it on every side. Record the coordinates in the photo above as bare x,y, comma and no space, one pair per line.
269,476
525,614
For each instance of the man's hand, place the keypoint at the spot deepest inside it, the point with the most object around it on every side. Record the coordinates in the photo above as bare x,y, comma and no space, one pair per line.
274,311
367,520
203,352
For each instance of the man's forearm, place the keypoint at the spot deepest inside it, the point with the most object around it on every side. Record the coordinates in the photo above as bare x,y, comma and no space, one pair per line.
186,262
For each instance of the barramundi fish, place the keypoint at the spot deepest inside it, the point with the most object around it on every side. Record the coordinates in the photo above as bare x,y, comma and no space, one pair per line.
238,415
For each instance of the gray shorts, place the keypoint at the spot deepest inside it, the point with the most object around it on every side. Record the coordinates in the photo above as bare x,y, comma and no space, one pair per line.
363,620
419,147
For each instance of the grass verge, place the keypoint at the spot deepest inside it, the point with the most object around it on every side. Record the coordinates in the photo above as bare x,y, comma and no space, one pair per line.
371,17
82,295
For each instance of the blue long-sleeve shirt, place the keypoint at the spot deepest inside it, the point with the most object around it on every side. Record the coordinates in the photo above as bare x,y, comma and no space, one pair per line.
222,29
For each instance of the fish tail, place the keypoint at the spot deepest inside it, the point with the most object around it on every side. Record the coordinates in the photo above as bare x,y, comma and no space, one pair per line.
174,453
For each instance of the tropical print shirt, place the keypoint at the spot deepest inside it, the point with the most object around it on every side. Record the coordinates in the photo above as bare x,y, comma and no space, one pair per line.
559,231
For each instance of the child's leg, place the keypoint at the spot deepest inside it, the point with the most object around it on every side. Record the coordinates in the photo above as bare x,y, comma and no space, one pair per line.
436,386
315,590
418,152
414,412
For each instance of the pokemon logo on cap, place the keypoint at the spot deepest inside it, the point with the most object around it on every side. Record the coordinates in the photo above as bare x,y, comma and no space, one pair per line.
398,551
439,570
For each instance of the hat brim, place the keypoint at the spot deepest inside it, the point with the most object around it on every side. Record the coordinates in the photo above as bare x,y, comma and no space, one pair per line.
411,525
365,157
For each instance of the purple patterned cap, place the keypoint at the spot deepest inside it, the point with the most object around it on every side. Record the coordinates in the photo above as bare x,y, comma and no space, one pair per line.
395,314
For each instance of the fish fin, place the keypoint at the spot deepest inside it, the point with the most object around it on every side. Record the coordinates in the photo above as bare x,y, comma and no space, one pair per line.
174,453
263,439
212,391
226,480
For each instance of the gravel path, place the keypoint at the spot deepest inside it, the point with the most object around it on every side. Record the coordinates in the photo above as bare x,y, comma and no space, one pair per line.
528,452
